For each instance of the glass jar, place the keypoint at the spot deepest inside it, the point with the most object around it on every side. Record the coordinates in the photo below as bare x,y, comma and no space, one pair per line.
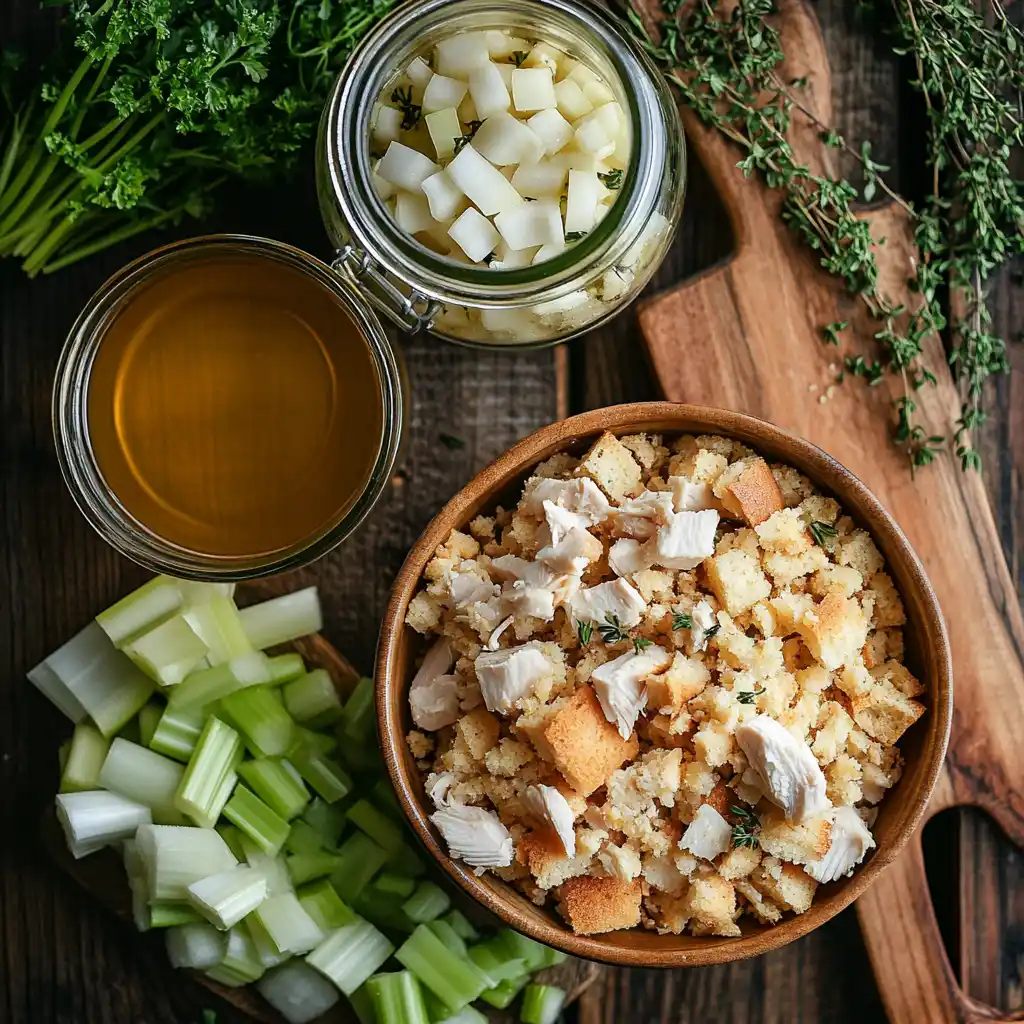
71,422
529,306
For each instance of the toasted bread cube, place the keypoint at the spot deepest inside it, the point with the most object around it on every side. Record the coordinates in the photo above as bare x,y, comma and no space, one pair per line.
712,902
685,678
596,905
585,747
885,713
795,843
899,676
836,631
749,491
610,464
889,609
843,777
542,853
843,578
739,862
763,908
479,731
858,550
784,531
787,885
424,613
737,580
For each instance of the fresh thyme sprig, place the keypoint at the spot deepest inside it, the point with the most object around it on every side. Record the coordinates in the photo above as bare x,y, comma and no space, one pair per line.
748,696
681,620
746,830
640,644
611,629
411,112
612,179
823,534
472,127
585,632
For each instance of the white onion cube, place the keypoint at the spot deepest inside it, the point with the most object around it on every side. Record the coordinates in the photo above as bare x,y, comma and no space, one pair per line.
555,307
405,167
565,68
511,259
503,140
475,235
444,197
412,212
591,136
577,160
387,123
584,76
539,180
533,89
612,118
457,55
552,129
383,188
444,129
418,72
549,252
571,101
488,90
615,284
485,185
467,110
530,224
517,322
544,55
443,92
654,230
598,93
584,195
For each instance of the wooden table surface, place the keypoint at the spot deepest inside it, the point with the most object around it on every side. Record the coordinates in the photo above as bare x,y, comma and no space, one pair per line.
65,960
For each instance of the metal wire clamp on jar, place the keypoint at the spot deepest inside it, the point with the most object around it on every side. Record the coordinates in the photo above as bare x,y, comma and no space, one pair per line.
417,288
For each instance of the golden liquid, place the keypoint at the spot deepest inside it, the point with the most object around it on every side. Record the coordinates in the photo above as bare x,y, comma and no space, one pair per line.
234,407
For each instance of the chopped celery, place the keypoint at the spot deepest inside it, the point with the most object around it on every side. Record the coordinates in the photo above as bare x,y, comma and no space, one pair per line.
226,897
168,652
198,945
85,758
397,998
361,859
90,674
380,828
130,730
502,995
233,837
283,618
210,774
328,820
447,934
290,928
351,954
324,905
141,610
268,729
178,732
274,867
552,957
298,992
383,910
170,915
196,593
175,856
384,797
426,903
312,699
358,718
211,684
397,885
303,838
467,1015
143,776
277,784
261,824
534,954
461,925
304,867
266,949
285,667
136,872
541,1004
63,752
241,964
406,861
217,623
454,980
495,962
95,819
317,742
327,777
362,1006
149,720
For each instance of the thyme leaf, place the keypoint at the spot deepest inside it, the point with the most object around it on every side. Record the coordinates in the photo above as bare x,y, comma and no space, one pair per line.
611,629
411,112
681,620
585,632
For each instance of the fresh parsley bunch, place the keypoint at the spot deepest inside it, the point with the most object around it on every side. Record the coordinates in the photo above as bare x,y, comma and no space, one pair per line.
152,105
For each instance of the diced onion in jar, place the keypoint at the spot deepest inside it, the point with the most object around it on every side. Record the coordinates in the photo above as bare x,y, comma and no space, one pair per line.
442,92
485,185
444,197
570,100
538,223
541,179
533,89
552,129
405,167
418,72
444,128
387,124
543,55
504,140
412,212
474,234
488,90
549,251
458,55
581,204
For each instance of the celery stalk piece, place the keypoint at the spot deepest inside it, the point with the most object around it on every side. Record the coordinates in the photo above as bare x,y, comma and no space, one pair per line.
63,752
149,720
136,872
177,732
396,885
197,946
495,963
467,1015
142,610
167,653
406,861
553,957
327,820
326,776
351,954
175,856
397,998
233,837
303,838
89,673
211,684
276,783
534,954
290,928
317,742
379,827
225,898
312,699
95,819
261,824
240,965
541,1004
454,980
143,776
362,1006
283,618
268,953
267,728
298,992
85,758
195,592
323,904
170,915
361,859
273,867
383,910
285,667
217,623
426,903
446,933
304,867
461,925
503,995
385,799
209,775
358,718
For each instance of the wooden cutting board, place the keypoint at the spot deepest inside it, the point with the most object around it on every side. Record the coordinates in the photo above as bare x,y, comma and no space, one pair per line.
746,335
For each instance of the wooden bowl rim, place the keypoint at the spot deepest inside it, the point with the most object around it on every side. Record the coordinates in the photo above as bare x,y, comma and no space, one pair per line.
636,417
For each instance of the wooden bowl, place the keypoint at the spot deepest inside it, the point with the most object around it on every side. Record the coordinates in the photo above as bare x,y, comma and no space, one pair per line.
927,656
